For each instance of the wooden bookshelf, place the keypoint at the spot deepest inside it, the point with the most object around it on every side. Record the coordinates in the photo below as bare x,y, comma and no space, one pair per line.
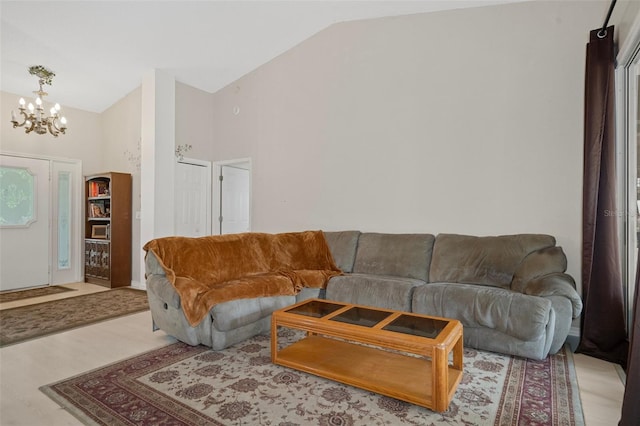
108,229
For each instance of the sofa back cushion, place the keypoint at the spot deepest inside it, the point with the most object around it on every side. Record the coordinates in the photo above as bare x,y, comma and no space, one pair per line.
488,261
343,246
538,263
400,255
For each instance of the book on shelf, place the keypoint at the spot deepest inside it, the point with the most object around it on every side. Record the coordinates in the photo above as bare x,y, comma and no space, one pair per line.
98,188
99,209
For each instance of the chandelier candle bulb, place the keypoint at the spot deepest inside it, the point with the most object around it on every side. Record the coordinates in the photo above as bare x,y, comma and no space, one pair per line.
21,102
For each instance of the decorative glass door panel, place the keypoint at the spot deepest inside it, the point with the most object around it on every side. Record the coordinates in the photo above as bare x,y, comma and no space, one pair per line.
18,193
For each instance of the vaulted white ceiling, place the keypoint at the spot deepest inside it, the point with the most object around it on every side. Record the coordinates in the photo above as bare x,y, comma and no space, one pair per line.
100,50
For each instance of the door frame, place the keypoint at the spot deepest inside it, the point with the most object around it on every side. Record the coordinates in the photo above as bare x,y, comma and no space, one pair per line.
77,212
627,100
207,165
217,195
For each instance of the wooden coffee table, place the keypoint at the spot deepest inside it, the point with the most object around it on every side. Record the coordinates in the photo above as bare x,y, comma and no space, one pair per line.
398,354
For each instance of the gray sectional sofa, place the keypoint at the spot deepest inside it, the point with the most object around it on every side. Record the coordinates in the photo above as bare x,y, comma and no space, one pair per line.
511,293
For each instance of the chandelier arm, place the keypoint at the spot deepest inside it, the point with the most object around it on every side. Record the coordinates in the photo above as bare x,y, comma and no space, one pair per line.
61,128
29,129
24,121
53,129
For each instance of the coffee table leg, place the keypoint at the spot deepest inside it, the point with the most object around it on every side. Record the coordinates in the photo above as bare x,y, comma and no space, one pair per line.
440,379
274,339
457,354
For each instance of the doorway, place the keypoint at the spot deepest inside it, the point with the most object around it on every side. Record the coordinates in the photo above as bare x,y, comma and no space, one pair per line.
193,198
233,198
39,221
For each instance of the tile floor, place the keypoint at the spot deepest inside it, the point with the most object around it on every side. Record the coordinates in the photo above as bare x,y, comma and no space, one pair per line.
25,367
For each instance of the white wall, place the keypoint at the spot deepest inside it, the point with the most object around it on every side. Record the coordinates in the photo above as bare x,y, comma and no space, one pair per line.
466,121
194,126
121,135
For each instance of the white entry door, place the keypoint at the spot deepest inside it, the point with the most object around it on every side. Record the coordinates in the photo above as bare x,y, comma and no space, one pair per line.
24,222
234,199
193,198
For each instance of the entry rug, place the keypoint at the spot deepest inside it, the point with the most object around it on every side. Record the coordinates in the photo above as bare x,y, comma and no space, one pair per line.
42,319
11,296
184,385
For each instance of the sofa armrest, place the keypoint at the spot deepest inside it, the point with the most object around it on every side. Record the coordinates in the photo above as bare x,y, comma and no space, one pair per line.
163,290
555,284
152,266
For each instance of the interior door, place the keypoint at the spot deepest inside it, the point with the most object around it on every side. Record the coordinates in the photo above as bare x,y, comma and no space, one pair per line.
193,198
24,222
234,199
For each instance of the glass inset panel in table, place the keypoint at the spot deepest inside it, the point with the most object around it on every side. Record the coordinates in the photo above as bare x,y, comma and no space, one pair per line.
315,308
361,316
417,326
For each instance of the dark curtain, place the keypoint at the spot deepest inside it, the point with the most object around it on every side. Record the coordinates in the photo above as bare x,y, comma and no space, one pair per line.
603,332
630,403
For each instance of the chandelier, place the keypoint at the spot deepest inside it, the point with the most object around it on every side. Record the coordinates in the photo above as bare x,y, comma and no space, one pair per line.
33,117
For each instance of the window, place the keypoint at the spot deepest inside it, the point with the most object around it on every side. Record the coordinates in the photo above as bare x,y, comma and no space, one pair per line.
17,201
64,220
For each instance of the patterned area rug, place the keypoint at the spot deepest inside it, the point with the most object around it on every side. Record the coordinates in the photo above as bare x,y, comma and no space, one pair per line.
10,296
184,385
41,319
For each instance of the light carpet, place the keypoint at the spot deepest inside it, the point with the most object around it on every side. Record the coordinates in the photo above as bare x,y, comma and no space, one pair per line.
184,385
42,319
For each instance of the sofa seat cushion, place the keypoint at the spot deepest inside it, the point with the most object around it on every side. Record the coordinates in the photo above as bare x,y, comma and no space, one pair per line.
238,313
382,291
515,314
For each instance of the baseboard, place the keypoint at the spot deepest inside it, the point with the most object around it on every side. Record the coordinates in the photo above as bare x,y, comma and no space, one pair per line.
573,339
621,374
138,285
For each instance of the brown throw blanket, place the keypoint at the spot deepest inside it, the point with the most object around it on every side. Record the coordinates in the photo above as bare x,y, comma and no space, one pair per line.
209,270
